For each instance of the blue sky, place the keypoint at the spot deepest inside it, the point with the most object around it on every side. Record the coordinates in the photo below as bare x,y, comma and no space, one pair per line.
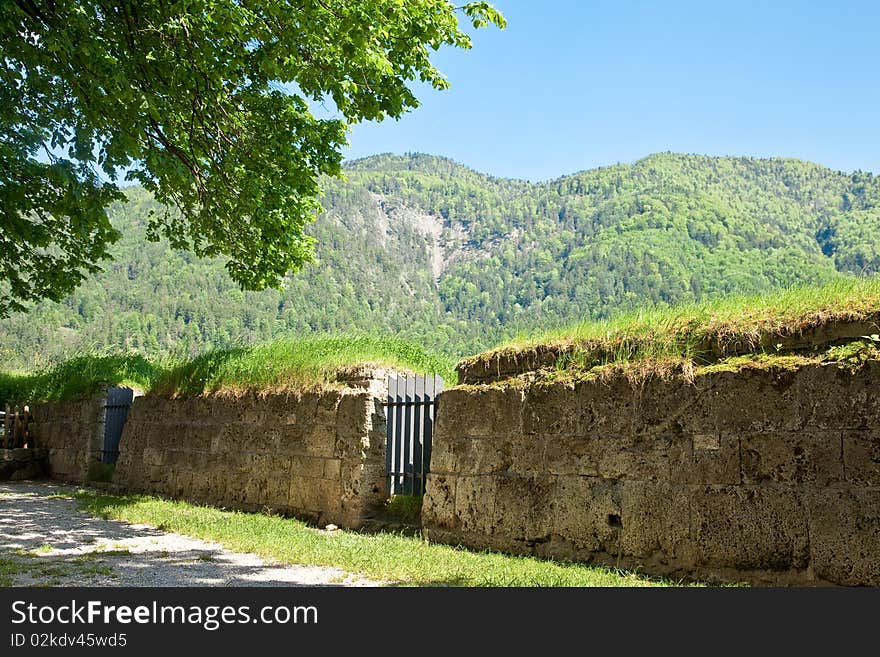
572,85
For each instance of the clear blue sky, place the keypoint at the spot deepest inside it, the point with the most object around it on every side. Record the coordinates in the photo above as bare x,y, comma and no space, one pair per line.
571,85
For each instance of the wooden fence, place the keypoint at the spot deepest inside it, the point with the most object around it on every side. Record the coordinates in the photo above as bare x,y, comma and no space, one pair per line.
15,427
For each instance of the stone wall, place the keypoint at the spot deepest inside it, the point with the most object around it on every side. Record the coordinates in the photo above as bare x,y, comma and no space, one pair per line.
72,433
21,463
315,455
769,476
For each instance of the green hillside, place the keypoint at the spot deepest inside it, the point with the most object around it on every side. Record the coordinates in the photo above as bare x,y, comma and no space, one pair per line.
420,248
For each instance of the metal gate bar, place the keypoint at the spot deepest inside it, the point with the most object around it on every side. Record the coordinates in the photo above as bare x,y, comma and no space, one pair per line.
411,409
116,413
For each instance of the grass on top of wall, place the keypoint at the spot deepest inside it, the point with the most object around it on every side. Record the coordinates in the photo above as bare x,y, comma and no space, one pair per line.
295,363
393,558
78,377
681,331
287,363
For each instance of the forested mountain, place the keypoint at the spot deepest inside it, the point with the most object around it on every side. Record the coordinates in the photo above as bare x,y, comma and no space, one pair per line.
424,248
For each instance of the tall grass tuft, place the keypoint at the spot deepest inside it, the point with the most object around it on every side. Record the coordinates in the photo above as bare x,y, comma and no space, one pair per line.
78,377
289,363
679,331
295,363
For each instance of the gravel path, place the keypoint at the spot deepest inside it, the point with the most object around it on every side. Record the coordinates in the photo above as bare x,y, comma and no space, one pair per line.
46,541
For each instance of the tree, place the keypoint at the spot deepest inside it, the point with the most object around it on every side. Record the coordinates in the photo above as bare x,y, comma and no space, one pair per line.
205,104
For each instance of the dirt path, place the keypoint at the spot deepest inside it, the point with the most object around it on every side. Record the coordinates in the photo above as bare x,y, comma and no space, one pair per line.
46,541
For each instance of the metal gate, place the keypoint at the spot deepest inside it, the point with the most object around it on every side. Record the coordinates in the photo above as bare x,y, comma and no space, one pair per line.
411,408
115,414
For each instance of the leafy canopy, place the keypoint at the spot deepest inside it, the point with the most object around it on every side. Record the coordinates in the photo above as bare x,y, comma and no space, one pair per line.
205,103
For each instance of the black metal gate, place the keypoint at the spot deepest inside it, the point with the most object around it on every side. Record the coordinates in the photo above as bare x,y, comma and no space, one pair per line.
412,406
116,412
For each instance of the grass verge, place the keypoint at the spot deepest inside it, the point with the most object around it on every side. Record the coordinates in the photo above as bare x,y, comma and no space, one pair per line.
285,364
384,556
294,363
699,333
78,377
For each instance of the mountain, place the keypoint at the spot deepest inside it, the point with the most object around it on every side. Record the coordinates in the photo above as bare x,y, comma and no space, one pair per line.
424,248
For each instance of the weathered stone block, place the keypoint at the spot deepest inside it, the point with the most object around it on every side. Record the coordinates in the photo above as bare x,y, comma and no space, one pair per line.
845,536
524,455
522,507
443,454
479,411
438,507
332,469
551,409
324,496
861,457
474,503
654,521
705,459
753,401
352,415
475,456
569,455
792,459
848,407
583,510
634,457
320,440
605,407
749,527
306,466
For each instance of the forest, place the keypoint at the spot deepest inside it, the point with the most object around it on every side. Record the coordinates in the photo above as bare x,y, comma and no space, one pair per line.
421,248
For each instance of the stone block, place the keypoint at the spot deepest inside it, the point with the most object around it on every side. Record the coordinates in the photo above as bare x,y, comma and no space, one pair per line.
792,458
569,455
845,536
320,440
522,507
705,459
301,410
438,506
153,456
306,466
523,455
836,398
605,408
481,411
363,481
332,469
475,503
654,521
658,406
327,407
324,496
861,457
634,458
749,528
481,456
443,454
352,415
551,409
586,511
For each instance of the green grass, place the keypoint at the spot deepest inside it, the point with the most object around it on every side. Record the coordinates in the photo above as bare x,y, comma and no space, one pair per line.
50,571
295,363
283,364
79,377
693,331
385,556
100,472
405,508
